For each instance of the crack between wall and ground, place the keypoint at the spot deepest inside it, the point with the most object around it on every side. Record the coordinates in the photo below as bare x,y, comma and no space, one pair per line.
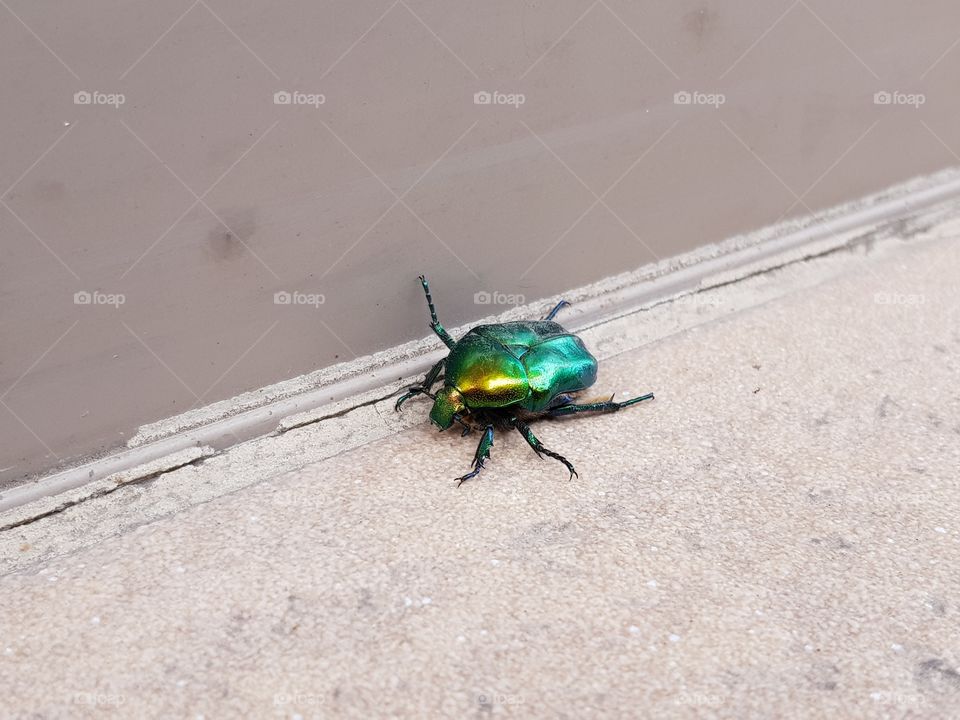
146,479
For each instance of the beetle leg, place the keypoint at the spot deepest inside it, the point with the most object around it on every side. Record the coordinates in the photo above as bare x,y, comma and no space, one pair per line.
538,447
434,323
483,452
466,426
557,308
561,400
423,388
608,406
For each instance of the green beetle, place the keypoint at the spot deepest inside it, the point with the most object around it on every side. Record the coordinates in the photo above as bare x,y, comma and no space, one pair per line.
506,374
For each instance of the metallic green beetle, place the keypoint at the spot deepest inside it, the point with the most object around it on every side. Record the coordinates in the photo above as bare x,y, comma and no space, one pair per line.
506,374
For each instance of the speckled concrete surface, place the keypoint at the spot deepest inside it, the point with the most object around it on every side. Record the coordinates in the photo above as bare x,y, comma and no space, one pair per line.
775,536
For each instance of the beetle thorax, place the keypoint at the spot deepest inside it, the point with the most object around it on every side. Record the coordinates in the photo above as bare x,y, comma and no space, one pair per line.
446,405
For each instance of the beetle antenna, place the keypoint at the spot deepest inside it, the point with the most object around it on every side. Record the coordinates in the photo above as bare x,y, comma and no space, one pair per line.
434,323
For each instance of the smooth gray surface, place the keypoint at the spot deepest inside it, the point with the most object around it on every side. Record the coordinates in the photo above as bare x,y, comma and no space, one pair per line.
298,198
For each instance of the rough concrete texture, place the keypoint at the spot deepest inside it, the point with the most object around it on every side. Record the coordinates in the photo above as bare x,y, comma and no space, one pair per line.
775,536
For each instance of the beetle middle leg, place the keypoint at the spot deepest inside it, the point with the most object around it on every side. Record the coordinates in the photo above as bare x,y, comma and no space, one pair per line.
608,406
483,453
538,447
423,388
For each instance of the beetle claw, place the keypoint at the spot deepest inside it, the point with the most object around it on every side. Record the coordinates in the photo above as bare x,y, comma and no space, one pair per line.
478,466
483,452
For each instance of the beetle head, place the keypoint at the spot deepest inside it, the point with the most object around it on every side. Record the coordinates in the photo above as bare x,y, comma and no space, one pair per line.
448,403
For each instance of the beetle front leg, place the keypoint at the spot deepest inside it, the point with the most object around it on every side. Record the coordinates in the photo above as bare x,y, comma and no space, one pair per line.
467,429
538,447
423,388
483,453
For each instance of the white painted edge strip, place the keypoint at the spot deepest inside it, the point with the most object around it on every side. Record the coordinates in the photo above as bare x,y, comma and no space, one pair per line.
596,303
141,473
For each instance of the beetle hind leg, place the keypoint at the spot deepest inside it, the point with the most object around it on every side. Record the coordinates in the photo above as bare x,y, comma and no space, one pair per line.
483,453
556,308
561,400
608,406
538,447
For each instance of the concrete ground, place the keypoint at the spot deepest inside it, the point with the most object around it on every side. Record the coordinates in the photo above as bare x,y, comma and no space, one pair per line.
776,535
